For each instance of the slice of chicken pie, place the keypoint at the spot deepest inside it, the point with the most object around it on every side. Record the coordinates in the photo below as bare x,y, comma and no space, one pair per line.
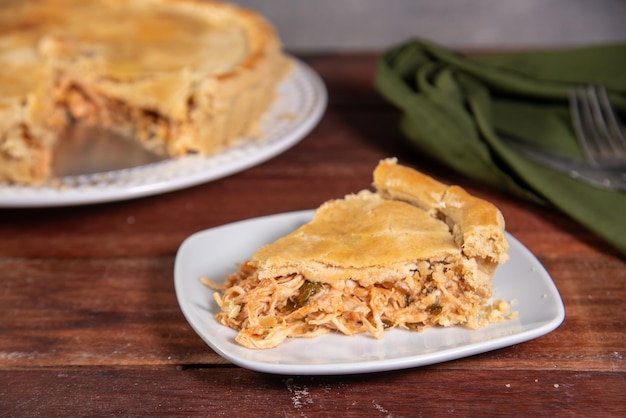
413,254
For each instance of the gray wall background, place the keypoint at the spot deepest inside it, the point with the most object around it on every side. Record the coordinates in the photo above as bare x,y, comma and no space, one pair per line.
371,25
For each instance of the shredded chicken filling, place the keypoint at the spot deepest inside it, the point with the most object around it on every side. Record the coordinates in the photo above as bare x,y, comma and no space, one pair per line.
149,126
267,311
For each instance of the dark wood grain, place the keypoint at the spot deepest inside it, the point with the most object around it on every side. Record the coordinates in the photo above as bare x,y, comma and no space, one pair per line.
235,392
90,325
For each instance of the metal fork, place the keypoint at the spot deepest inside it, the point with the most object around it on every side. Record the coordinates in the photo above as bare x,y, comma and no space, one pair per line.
597,127
600,135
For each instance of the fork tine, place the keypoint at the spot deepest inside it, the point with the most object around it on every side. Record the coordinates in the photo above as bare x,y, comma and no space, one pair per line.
615,134
581,117
596,125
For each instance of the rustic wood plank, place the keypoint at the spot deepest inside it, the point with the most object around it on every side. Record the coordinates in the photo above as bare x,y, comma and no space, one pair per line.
237,392
94,312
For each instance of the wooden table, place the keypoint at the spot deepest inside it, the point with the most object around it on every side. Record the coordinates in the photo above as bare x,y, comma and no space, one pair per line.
90,324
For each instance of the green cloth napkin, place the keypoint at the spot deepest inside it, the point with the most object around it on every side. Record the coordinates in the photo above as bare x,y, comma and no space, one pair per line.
457,109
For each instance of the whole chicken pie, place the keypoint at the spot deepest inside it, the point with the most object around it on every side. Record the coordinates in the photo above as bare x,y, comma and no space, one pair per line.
178,75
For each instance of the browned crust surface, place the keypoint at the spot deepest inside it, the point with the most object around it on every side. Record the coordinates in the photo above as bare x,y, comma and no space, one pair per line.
187,106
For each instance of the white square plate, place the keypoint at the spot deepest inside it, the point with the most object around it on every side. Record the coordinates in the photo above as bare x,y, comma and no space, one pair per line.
214,253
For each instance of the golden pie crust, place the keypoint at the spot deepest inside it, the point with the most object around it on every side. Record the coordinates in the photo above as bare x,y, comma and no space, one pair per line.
412,254
178,75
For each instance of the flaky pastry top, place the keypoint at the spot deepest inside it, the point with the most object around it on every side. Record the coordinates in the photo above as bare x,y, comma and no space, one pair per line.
128,39
477,225
383,235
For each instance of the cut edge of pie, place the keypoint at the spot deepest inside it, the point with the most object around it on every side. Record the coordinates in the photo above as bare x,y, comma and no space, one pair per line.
167,95
413,254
